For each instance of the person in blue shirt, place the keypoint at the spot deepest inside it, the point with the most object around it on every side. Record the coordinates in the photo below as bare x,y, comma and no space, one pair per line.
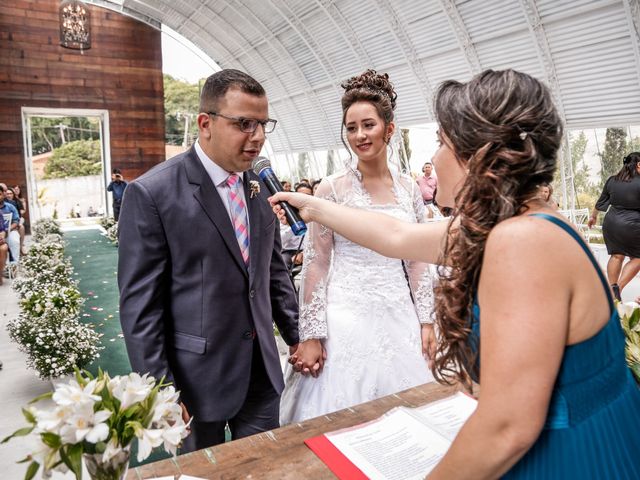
4,250
117,187
12,237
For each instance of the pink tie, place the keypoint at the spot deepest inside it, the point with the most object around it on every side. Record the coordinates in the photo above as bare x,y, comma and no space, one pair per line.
238,215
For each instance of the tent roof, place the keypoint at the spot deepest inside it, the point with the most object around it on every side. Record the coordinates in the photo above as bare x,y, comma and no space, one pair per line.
587,51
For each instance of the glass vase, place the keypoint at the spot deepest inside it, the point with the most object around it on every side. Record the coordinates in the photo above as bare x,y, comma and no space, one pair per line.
114,469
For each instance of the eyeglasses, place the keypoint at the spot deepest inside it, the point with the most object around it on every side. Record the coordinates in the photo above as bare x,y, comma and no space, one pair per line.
249,125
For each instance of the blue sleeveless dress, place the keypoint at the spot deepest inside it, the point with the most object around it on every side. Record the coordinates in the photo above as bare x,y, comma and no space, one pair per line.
592,429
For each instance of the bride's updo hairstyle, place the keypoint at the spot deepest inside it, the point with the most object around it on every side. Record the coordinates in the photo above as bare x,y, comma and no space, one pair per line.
369,87
505,130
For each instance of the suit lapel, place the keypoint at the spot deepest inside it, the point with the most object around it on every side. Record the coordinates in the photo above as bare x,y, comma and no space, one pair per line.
255,225
210,201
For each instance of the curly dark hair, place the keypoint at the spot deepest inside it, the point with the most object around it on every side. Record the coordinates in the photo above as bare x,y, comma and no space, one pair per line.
504,127
371,87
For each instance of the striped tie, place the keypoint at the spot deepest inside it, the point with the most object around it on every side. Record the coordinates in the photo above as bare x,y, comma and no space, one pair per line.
239,215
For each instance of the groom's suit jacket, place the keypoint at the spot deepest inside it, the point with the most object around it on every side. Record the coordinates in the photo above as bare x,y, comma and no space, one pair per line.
189,306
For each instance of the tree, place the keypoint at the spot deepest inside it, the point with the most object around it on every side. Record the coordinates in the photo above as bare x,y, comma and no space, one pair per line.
615,146
581,171
405,152
75,159
48,133
180,99
332,159
634,145
303,165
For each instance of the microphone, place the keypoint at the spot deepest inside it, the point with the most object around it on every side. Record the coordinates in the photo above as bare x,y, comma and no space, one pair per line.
262,167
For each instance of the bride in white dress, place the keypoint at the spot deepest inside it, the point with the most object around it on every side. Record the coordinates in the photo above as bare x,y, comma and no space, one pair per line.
354,303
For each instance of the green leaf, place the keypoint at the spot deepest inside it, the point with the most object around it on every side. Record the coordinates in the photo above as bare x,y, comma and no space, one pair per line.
31,470
634,319
18,433
28,415
51,440
41,397
72,458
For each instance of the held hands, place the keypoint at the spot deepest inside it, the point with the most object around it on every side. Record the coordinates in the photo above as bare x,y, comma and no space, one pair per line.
429,343
299,200
309,358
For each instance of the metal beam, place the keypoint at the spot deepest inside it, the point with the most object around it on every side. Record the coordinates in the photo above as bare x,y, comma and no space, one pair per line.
462,35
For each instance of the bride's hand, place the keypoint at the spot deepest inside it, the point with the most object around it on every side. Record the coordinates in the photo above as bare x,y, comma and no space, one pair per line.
429,343
309,358
299,200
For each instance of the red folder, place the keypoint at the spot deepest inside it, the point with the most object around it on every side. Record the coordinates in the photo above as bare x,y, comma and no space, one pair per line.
340,465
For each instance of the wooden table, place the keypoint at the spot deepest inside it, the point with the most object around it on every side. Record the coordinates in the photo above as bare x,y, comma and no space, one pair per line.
281,453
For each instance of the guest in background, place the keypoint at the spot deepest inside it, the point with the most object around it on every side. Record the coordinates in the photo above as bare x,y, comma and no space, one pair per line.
286,186
546,194
116,187
304,188
314,185
11,197
11,226
4,253
427,183
620,198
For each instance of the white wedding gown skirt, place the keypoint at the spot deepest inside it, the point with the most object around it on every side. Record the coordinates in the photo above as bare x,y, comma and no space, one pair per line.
373,345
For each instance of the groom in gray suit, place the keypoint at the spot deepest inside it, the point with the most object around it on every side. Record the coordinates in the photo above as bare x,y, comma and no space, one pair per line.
200,271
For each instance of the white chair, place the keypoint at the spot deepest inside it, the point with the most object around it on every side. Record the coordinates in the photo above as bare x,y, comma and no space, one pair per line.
580,218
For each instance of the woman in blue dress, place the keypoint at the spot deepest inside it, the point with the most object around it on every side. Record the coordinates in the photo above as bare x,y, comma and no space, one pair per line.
523,307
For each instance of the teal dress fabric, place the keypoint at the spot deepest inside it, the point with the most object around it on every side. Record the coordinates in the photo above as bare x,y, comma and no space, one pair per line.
592,429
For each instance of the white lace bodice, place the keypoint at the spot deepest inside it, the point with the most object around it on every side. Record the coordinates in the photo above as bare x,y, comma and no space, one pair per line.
336,267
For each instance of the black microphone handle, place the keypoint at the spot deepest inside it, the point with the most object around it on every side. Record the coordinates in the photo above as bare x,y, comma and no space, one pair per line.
274,186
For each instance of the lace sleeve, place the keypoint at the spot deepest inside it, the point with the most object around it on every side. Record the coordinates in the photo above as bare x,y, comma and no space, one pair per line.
421,275
318,252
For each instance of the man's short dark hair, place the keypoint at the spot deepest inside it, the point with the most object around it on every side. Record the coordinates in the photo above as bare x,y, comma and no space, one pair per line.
116,171
218,84
302,185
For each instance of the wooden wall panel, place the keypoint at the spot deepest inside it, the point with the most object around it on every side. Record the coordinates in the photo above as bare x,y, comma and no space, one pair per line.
122,73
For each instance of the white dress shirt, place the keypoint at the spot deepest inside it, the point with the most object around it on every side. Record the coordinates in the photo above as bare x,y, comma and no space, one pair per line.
219,177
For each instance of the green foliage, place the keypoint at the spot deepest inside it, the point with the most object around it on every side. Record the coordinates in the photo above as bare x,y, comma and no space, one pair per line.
405,152
180,99
332,160
75,159
47,133
615,146
633,145
303,165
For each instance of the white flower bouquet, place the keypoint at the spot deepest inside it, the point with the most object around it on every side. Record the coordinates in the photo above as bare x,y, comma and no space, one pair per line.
630,318
45,226
99,418
54,345
52,300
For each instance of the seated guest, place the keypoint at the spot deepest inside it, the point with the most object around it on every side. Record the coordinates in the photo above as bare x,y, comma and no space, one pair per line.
286,185
13,237
4,250
538,330
11,197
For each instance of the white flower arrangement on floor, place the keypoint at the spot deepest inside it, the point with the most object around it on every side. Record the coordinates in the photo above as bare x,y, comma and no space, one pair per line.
55,345
112,233
630,318
99,418
47,329
107,222
43,227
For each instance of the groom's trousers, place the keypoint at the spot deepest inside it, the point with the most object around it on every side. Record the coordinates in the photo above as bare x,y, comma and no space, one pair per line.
259,412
